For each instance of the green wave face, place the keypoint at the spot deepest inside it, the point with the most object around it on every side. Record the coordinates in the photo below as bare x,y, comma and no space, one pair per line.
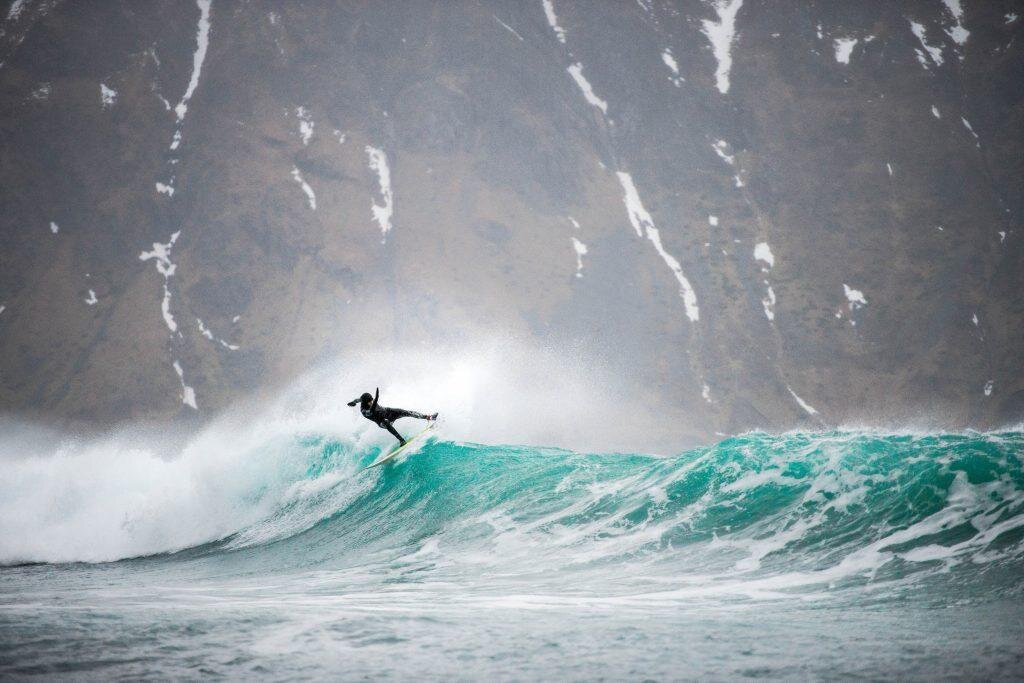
758,513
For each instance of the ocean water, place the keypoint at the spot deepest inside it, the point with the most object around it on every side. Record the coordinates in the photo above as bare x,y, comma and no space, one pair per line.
805,555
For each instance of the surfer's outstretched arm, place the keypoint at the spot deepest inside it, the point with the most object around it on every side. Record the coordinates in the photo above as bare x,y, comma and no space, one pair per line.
376,396
353,401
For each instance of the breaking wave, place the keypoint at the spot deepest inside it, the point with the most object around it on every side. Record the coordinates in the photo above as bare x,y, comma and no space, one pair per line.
757,513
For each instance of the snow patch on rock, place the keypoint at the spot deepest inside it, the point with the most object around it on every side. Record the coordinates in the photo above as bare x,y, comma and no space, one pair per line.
108,96
198,57
763,252
382,213
305,124
581,250
958,33
642,222
208,333
310,195
855,297
188,394
507,27
721,34
844,48
670,62
161,255
549,12
808,408
934,52
576,71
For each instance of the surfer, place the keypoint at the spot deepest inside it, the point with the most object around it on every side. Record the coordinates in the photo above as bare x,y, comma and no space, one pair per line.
383,416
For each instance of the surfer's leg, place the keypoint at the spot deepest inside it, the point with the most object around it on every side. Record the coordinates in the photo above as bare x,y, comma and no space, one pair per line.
394,432
395,413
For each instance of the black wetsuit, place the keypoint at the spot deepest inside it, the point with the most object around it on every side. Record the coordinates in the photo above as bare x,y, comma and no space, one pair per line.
383,416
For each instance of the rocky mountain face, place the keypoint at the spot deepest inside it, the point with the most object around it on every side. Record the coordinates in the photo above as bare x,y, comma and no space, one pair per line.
759,213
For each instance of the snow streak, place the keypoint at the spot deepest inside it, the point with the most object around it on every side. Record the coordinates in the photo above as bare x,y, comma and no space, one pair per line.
310,195
202,43
720,34
161,254
382,213
642,222
576,71
549,12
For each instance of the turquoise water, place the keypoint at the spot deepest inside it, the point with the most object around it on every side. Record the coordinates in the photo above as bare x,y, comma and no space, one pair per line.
803,555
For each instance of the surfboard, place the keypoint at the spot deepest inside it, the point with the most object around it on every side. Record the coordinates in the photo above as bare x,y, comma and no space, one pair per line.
401,449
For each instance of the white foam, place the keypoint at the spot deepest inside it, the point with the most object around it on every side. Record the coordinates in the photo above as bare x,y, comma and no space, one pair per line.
763,252
935,112
509,28
165,189
576,71
1002,236
108,96
974,319
808,408
581,250
1010,17
989,386
305,124
844,47
919,31
42,92
720,34
888,167
176,140
202,43
382,212
642,222
310,195
705,393
54,228
549,12
2,308
161,254
91,300
713,220
958,33
575,223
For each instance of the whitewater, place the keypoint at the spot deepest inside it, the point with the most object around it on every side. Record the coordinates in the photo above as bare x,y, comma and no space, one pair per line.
260,547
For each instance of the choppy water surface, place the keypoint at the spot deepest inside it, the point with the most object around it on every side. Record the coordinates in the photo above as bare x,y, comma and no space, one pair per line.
801,555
